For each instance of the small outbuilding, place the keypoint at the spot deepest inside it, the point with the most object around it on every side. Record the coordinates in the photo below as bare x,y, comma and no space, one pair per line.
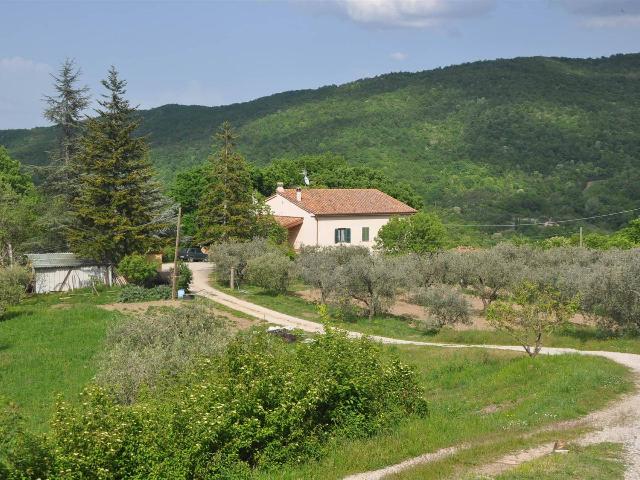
60,272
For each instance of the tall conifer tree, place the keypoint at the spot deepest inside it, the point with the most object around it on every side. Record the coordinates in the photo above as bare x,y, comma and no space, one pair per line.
117,205
65,109
228,209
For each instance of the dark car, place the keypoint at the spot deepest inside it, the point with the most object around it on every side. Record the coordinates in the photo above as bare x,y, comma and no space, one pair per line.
192,254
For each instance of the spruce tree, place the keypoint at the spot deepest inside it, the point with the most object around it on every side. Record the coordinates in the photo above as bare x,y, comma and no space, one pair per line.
117,205
228,209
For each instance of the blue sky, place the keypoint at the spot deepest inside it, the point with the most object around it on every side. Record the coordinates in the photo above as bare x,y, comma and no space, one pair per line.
213,52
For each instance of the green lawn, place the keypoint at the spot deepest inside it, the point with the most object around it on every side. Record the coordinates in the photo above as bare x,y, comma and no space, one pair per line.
574,336
47,347
477,397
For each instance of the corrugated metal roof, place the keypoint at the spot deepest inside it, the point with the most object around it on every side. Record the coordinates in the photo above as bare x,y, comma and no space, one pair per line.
58,260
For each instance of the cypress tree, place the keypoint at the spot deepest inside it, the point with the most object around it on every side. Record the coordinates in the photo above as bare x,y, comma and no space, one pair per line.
117,204
228,209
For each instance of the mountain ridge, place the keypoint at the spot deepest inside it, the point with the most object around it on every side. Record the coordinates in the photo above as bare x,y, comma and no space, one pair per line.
492,139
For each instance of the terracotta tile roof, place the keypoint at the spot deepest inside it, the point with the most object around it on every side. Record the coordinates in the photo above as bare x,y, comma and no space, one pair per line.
347,201
288,222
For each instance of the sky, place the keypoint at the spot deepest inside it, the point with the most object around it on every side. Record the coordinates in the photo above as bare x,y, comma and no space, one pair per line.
217,52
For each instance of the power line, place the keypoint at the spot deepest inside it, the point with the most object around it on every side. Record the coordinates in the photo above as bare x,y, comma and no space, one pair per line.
549,222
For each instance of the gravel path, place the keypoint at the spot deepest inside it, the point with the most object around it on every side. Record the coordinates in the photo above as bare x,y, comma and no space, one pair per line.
619,423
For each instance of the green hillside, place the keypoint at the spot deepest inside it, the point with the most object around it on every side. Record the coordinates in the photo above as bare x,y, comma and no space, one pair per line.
488,141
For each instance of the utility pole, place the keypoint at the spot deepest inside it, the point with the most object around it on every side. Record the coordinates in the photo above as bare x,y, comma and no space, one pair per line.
174,279
580,236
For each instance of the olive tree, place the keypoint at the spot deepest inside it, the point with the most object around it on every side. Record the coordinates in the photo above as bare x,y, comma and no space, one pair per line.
317,266
486,272
372,280
535,311
446,305
272,271
236,255
612,291
151,349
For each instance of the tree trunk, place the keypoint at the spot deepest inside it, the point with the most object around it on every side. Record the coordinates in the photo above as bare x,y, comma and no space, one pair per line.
10,252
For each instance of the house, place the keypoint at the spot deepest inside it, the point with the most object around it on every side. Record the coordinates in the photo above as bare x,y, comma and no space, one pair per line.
334,216
60,272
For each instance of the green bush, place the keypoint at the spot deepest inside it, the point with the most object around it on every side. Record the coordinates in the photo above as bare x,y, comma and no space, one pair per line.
263,403
135,293
184,276
162,342
136,269
22,454
13,286
272,271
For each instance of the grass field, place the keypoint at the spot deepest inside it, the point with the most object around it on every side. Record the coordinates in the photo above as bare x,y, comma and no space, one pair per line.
47,347
573,336
477,397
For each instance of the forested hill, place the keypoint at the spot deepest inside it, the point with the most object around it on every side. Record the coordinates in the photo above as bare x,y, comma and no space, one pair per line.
494,140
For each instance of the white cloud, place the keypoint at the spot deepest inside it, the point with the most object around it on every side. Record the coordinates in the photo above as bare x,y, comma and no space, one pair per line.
399,56
605,13
412,13
22,85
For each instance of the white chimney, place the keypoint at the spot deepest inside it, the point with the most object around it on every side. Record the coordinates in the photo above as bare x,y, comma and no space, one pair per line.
299,194
280,187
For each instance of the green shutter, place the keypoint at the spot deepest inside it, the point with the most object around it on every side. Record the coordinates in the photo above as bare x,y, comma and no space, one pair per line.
337,235
365,234
347,235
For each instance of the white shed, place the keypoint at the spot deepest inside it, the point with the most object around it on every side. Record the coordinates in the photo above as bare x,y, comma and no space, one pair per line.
60,272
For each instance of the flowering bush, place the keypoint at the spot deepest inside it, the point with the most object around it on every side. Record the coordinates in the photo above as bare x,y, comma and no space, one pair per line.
262,403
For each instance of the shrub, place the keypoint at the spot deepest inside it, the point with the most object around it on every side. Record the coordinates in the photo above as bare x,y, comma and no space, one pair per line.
446,305
185,275
134,293
136,269
272,271
262,404
145,350
14,282
22,454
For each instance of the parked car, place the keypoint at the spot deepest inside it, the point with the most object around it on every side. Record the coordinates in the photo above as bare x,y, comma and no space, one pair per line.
192,254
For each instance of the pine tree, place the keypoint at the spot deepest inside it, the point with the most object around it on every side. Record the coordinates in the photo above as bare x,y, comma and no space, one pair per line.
65,110
228,209
117,207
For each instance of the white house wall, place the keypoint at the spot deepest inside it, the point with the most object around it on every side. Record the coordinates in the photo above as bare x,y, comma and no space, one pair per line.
308,230
328,225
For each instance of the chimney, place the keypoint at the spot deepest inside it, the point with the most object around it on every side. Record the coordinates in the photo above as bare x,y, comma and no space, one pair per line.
280,187
299,194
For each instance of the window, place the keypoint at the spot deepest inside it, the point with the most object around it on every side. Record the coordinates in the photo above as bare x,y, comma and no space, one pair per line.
343,235
365,234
